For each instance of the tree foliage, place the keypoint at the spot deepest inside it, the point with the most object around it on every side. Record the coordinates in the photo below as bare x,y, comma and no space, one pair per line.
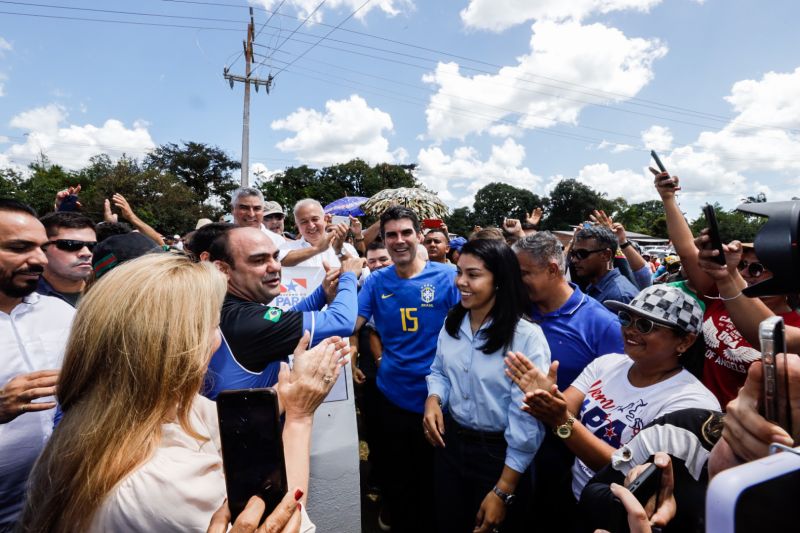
733,225
571,202
497,201
460,221
645,217
354,178
206,170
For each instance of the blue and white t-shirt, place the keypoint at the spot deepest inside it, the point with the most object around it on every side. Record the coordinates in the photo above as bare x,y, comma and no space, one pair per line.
615,411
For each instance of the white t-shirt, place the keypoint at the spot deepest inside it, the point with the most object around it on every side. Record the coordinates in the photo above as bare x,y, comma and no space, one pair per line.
329,255
32,337
615,411
179,487
277,240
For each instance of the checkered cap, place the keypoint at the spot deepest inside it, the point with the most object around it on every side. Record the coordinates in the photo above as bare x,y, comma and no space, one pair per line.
666,305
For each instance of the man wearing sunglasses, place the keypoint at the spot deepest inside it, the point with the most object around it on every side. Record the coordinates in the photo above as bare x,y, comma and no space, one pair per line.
70,241
591,257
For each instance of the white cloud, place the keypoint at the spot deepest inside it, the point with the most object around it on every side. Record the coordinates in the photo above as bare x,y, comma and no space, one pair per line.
457,177
634,186
346,130
498,15
657,138
615,148
581,56
72,145
764,134
261,173
304,7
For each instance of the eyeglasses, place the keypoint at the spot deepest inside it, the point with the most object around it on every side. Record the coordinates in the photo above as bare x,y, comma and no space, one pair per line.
643,325
754,269
69,245
274,216
582,254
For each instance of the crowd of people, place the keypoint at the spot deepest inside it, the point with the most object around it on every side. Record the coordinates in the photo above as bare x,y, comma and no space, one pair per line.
507,380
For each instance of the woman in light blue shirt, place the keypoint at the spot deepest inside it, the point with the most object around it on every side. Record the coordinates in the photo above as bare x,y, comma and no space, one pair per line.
485,442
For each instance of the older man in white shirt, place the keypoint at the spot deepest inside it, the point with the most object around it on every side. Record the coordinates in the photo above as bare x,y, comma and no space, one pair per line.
316,244
247,206
33,333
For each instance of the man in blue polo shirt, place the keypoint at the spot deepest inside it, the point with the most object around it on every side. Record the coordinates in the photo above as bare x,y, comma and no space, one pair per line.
591,256
408,302
578,329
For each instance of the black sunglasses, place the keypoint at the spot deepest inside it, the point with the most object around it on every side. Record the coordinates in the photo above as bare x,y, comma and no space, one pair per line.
754,269
643,325
70,245
582,254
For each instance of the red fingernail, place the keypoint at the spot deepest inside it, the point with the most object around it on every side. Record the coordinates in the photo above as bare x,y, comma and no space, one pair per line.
298,494
299,506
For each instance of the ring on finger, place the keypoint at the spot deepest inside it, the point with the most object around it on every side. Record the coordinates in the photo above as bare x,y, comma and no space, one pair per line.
327,379
23,408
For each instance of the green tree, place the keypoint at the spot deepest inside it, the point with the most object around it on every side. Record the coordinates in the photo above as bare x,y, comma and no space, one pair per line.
497,201
46,179
733,225
11,184
571,202
645,217
354,178
206,170
460,221
158,198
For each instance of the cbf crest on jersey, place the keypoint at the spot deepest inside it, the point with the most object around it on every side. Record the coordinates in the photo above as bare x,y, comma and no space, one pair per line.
427,294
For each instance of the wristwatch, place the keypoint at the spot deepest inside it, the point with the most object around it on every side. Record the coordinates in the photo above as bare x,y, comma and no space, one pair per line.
507,498
564,431
624,245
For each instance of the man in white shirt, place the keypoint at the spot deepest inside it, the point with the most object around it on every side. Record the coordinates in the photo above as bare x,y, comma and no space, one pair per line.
315,244
247,206
33,334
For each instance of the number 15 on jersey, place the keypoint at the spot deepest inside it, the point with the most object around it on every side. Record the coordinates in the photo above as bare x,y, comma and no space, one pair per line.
409,321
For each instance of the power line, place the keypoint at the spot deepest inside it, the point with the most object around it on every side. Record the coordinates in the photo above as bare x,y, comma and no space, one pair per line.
627,100
348,17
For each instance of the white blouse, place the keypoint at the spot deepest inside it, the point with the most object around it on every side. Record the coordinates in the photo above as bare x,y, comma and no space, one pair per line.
179,488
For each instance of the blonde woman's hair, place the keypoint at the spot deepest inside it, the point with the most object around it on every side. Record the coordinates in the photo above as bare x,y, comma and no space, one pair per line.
135,359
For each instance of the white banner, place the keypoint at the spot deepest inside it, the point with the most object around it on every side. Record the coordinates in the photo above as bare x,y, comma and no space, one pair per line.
334,499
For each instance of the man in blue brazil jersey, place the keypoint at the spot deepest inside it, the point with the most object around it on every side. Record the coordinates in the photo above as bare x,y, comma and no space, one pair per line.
408,302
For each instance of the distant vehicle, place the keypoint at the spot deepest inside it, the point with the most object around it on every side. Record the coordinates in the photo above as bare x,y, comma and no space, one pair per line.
658,251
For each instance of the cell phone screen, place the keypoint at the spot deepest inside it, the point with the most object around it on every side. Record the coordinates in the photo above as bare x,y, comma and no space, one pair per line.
252,448
338,219
713,233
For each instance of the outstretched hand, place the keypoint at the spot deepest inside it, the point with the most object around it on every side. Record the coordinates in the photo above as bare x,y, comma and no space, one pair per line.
312,376
527,377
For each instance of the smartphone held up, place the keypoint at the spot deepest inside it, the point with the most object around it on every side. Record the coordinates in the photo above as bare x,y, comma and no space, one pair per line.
668,180
252,448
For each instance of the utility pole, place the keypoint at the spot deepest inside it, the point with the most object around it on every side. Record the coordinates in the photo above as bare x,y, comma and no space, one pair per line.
247,80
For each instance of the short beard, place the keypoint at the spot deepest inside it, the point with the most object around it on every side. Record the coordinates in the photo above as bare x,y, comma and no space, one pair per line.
8,288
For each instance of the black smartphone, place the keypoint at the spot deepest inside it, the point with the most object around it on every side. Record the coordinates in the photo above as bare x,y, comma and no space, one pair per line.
713,233
775,398
647,484
659,164
252,448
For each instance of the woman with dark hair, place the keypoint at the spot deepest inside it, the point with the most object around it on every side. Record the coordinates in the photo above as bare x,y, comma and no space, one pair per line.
484,443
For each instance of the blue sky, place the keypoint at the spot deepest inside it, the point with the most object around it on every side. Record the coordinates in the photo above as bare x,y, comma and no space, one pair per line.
522,91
